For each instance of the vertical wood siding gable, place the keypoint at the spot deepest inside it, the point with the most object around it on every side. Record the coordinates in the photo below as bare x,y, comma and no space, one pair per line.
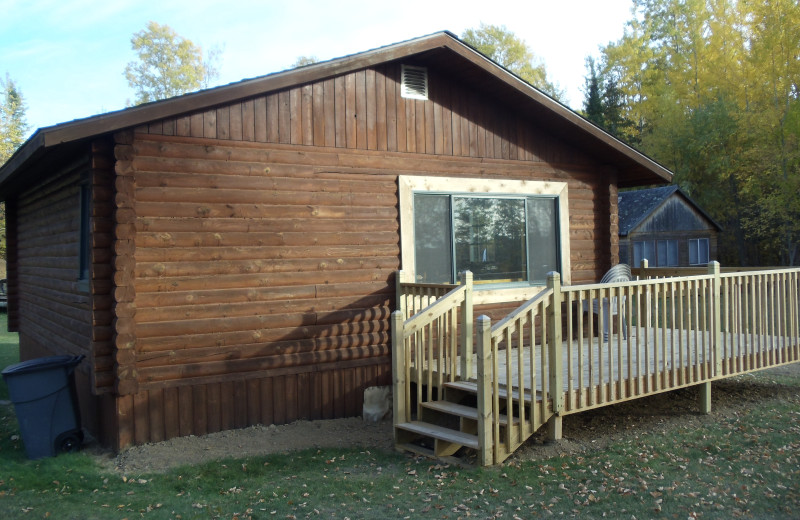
364,110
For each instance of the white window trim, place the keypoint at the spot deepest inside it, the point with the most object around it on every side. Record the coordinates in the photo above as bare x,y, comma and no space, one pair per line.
409,185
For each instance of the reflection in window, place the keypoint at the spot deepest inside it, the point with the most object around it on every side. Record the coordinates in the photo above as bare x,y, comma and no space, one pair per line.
499,239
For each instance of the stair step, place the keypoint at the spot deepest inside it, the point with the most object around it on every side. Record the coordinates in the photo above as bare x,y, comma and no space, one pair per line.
471,387
439,432
459,410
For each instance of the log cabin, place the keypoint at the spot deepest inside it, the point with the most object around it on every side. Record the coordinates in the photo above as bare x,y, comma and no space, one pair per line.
227,258
666,227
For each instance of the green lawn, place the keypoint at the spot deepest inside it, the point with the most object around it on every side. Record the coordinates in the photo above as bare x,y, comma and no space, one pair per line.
744,465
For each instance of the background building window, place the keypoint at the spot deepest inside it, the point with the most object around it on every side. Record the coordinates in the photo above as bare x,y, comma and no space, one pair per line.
85,232
698,251
659,253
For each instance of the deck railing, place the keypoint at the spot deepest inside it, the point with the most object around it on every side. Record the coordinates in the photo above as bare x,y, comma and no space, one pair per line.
524,401
435,342
574,348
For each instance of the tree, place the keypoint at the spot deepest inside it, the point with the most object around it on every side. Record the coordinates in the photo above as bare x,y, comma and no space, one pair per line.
508,50
593,100
13,129
302,61
714,88
168,65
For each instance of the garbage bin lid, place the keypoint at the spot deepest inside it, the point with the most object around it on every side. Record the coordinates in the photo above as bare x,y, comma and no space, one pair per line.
44,363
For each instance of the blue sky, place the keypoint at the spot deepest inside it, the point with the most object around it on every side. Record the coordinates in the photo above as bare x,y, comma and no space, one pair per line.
68,56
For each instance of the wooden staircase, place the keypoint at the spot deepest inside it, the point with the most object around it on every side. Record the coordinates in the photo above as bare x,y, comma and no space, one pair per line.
446,425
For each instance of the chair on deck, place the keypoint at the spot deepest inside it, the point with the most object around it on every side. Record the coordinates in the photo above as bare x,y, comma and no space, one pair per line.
618,273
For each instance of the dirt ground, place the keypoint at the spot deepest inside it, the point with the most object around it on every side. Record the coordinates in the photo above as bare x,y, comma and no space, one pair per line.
583,432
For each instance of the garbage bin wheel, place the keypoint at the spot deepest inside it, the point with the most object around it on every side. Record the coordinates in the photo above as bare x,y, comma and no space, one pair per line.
68,442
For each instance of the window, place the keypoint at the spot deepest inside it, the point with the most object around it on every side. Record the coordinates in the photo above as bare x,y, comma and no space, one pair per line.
659,253
510,234
698,251
85,231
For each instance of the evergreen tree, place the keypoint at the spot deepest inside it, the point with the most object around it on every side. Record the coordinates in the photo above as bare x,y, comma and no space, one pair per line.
593,101
13,127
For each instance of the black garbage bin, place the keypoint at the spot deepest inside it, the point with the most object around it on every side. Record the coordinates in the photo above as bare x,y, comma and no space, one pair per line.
44,397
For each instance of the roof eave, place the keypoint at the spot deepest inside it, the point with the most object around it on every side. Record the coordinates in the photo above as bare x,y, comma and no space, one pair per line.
44,138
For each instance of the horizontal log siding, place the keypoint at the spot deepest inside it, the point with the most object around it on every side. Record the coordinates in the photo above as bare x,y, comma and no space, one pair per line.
272,265
55,315
221,294
102,180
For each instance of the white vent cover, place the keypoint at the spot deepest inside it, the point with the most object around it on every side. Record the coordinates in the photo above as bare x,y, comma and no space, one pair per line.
415,82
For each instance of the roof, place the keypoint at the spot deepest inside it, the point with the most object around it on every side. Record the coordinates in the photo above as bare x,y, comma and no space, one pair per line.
636,205
442,50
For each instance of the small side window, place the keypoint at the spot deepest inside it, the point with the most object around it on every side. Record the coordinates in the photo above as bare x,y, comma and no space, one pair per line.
698,251
85,231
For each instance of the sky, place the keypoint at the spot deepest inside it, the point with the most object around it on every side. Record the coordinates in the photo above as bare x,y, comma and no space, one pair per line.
67,57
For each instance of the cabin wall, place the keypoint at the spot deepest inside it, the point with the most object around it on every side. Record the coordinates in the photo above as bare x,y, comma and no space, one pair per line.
256,244
55,311
53,306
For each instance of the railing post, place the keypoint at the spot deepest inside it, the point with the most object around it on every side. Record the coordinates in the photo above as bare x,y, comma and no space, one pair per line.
554,352
466,327
485,415
399,280
716,314
399,382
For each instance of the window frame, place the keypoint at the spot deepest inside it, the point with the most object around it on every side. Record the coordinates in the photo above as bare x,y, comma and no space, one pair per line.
84,231
488,293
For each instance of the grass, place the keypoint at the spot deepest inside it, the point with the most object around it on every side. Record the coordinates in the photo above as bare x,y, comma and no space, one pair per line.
744,465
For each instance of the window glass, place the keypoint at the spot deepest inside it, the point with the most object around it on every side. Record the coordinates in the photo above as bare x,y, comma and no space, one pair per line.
662,253
650,252
637,253
432,238
543,244
702,250
667,253
489,238
85,237
672,253
698,251
500,239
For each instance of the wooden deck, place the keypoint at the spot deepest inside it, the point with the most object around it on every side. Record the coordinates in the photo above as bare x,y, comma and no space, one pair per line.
663,334
655,358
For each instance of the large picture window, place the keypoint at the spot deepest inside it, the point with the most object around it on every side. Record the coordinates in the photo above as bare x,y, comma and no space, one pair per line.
500,239
510,234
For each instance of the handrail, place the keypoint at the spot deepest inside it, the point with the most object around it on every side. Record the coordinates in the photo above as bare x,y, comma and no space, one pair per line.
523,309
433,345
434,311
